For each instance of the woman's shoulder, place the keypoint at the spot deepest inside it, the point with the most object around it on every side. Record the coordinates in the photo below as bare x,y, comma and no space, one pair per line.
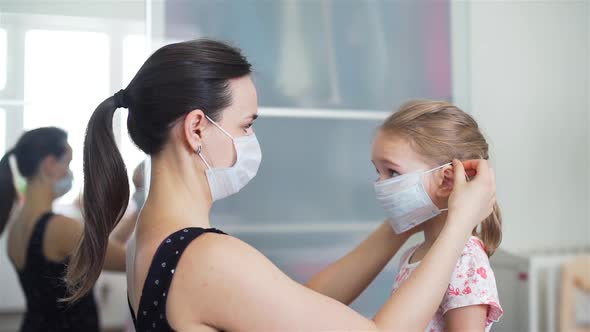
217,267
64,226
63,233
223,252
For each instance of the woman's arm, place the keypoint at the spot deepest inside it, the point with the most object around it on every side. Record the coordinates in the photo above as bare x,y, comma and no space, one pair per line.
116,257
125,227
348,277
244,291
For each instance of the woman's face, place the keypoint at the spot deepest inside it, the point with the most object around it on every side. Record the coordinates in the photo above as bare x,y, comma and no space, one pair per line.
237,120
59,167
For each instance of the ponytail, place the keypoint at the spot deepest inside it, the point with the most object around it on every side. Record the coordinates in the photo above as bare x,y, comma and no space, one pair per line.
490,231
105,198
7,190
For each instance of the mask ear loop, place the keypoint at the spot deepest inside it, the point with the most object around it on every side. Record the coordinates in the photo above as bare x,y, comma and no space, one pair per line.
201,147
434,169
201,156
218,126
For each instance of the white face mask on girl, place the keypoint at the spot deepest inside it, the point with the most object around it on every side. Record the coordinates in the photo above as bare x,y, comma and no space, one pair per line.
406,201
224,182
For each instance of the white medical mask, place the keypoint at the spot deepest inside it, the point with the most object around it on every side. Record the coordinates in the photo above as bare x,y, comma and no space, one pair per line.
224,182
64,185
406,201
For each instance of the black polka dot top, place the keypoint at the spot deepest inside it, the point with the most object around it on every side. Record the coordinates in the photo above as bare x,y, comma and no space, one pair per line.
151,314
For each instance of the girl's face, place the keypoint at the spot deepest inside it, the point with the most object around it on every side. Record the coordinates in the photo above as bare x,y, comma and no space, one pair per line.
393,156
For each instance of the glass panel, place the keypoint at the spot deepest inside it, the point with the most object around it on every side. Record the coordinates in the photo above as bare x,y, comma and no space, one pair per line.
368,54
322,176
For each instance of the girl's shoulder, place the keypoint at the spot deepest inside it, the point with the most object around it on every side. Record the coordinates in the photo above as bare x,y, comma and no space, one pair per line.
475,250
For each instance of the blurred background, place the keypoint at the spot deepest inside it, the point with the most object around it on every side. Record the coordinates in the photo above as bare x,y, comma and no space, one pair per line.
327,73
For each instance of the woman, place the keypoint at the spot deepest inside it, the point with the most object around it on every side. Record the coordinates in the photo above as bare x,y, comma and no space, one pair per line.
191,108
41,242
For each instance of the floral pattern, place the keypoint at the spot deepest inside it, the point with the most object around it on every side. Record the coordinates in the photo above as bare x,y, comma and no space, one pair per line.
472,283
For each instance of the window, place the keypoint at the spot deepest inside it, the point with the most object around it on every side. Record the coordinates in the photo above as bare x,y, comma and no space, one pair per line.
2,132
135,52
66,77
3,51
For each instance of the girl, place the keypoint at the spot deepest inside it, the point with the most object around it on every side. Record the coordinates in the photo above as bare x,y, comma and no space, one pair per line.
411,152
41,242
191,108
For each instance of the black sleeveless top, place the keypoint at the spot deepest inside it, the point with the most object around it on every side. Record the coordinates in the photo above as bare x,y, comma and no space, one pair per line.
151,314
43,285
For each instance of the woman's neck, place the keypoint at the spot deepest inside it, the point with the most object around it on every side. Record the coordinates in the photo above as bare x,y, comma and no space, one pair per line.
39,197
178,194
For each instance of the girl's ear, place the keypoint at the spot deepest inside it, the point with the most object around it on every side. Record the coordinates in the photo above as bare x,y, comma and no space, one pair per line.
444,180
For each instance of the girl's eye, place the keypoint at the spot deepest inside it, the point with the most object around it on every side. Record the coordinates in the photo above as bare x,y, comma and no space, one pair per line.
394,173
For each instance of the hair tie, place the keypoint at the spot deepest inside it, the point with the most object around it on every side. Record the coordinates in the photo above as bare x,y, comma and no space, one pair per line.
121,99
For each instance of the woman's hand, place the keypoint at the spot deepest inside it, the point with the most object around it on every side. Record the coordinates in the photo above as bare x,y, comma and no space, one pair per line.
472,200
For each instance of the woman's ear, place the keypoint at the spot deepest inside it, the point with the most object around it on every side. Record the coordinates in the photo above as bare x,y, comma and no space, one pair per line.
49,167
444,178
193,126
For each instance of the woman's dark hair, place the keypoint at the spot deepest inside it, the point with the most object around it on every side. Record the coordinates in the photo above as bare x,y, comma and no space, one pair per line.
175,80
30,150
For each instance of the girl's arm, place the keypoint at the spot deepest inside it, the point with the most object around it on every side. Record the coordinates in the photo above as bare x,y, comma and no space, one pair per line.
471,318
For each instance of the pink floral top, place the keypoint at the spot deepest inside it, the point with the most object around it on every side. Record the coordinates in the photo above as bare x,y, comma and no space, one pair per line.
472,283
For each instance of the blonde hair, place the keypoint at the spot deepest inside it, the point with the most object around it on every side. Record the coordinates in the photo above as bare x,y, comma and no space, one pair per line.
441,132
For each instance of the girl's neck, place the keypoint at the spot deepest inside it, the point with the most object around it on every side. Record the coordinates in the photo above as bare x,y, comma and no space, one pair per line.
432,229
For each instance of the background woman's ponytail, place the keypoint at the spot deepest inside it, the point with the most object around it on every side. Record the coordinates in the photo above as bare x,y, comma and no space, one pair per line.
7,190
106,195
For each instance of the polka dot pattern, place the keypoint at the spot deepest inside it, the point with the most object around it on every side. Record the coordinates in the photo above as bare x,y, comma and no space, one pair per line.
152,304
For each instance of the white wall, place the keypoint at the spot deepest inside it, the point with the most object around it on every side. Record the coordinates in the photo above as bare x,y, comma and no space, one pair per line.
529,82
